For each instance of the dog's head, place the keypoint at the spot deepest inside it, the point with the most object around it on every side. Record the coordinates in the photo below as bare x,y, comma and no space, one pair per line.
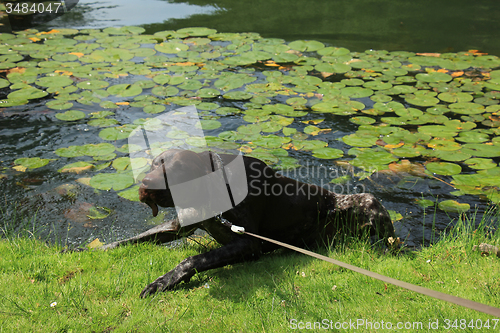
168,169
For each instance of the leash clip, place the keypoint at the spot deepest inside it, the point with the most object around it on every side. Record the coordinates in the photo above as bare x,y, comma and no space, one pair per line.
238,230
234,228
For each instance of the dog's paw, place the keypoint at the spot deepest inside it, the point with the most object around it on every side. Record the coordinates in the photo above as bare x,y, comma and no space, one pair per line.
162,283
151,289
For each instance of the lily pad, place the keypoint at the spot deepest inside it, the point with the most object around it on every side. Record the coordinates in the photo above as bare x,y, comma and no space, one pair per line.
455,97
302,45
327,153
444,144
103,122
32,162
131,194
444,168
71,115
108,181
437,131
362,120
54,81
59,105
453,206
373,159
359,141
209,124
480,163
451,156
356,92
208,93
117,133
197,31
467,108
77,167
434,77
425,203
171,47
237,95
124,90
422,100
473,137
27,93
481,149
92,84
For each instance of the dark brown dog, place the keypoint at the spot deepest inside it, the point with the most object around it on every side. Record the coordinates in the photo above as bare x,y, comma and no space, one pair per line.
303,216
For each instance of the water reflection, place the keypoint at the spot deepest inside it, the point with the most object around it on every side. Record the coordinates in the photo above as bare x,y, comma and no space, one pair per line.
420,26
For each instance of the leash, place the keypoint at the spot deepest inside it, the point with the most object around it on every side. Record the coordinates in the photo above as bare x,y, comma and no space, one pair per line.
421,290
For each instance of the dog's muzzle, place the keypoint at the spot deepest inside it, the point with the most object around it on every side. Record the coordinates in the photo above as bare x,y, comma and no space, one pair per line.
145,197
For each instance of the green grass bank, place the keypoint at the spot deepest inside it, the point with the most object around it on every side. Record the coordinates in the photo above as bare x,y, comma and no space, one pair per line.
43,290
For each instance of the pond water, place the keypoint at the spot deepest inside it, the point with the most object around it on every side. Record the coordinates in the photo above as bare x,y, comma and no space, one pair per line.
63,206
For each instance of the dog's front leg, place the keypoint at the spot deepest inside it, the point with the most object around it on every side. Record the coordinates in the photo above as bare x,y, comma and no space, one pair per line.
163,233
240,249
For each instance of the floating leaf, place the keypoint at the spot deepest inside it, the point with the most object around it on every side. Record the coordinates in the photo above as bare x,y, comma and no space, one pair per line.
480,163
197,32
153,109
472,137
359,141
71,115
98,213
26,93
171,47
77,167
422,100
481,150
356,92
108,181
59,105
54,81
373,159
455,97
270,141
327,153
92,84
362,120
32,162
444,168
405,166
237,95
425,203
467,108
314,130
124,90
434,77
165,91
270,126
117,133
452,156
208,93
209,124
437,131
131,194
302,45
453,206
444,144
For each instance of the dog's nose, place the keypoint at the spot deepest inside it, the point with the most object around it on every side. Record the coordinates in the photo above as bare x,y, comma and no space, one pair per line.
147,181
153,182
